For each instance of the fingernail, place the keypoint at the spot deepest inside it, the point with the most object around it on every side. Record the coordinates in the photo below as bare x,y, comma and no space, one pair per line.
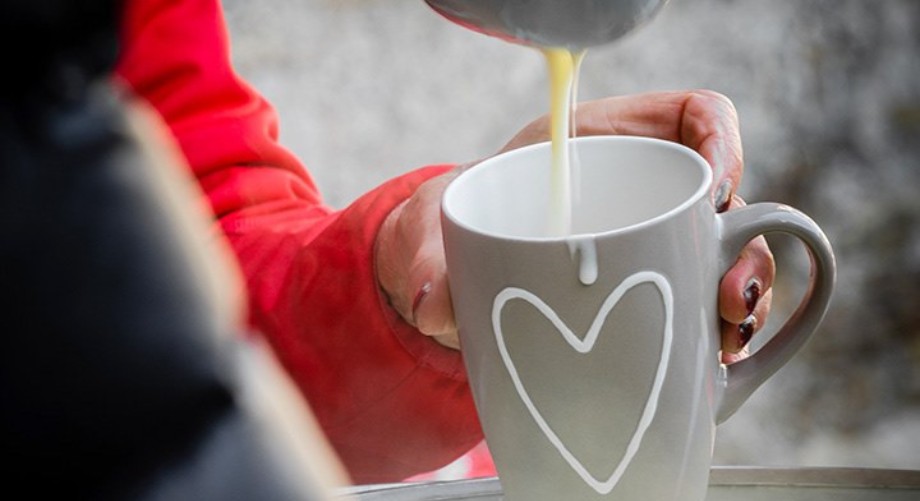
752,295
746,330
723,196
419,296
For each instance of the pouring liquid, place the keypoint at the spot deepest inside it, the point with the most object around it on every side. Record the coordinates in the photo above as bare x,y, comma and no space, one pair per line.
563,66
550,25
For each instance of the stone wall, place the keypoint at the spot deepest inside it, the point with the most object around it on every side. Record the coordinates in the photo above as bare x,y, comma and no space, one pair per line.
828,92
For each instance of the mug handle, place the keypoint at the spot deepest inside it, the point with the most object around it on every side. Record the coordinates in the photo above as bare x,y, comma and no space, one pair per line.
738,227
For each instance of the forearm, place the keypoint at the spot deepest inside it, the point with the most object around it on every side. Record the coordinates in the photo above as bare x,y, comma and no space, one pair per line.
392,402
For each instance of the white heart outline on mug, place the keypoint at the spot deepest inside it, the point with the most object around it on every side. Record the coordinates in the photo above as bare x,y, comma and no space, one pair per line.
585,346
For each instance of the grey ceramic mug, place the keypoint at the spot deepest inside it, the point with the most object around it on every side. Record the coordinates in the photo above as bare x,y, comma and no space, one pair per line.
594,359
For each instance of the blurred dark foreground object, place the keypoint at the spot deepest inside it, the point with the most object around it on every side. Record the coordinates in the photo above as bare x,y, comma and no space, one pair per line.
45,40
124,375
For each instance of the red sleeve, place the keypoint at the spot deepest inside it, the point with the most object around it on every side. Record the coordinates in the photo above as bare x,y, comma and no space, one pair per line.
391,401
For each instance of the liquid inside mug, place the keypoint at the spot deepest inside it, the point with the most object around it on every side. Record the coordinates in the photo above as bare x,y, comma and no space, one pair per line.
594,358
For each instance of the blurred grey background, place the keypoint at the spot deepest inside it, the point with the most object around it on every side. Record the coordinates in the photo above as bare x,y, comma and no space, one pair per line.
828,92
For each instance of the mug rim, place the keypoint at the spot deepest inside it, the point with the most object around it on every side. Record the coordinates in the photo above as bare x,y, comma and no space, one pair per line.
701,190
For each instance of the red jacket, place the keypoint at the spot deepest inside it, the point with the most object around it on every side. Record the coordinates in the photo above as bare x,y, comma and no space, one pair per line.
391,401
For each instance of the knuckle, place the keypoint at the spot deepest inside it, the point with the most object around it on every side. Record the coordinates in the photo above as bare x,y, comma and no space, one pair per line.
716,98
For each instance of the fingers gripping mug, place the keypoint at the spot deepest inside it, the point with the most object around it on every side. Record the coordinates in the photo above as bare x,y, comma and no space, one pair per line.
594,358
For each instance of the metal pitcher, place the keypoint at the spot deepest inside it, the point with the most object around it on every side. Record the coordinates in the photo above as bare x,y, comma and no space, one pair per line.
571,24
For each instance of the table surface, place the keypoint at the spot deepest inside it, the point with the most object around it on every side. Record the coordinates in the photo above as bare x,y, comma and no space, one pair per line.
725,484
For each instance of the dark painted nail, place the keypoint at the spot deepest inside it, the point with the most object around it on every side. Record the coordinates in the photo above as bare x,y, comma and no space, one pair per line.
419,296
746,330
752,295
723,198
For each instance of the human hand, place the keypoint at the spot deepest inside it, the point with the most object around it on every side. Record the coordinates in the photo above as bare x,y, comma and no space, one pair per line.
410,255
707,122
410,262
